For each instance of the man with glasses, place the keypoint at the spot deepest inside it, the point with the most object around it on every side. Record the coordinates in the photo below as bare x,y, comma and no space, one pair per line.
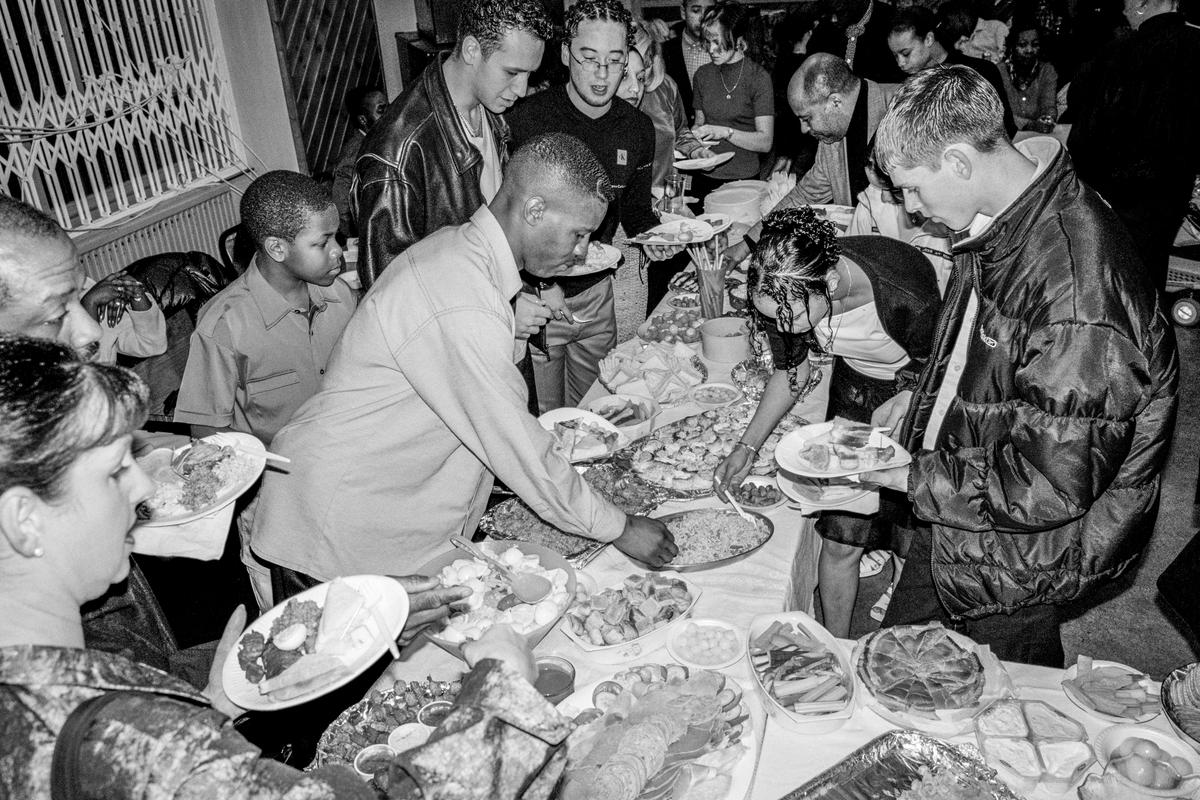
599,34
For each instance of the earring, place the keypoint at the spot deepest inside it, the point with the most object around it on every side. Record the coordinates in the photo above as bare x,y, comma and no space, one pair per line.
38,552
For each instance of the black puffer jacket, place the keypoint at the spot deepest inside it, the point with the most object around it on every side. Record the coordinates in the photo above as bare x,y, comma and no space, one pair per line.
416,172
1045,477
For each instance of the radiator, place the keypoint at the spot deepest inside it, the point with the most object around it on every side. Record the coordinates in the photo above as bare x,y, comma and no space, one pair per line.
190,226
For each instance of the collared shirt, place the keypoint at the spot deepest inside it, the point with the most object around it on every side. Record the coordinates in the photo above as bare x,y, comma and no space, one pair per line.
958,356
255,358
695,55
421,405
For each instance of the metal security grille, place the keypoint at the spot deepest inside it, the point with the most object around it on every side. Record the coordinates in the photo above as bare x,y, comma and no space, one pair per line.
106,105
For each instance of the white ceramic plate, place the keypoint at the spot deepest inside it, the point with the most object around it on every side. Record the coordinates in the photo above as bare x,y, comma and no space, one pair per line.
787,453
607,258
1069,674
704,163
686,301
677,652
743,772
670,232
728,391
247,446
762,480
550,418
384,593
814,494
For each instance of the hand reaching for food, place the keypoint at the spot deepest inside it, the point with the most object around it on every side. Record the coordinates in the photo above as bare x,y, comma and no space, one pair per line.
730,473
647,540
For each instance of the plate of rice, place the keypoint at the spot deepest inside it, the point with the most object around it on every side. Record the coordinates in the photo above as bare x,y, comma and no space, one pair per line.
710,537
200,478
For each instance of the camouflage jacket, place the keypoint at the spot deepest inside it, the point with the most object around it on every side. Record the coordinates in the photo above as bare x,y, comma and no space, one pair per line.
167,745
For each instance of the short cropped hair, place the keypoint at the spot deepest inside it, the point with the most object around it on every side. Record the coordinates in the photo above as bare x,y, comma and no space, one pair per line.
54,407
279,203
955,19
356,99
732,20
489,20
918,19
21,221
566,161
934,109
597,10
822,74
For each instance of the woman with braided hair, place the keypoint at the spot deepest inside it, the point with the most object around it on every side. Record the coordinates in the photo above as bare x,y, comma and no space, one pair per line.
869,301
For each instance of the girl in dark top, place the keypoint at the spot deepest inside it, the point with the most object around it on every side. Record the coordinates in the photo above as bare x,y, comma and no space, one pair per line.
733,98
869,301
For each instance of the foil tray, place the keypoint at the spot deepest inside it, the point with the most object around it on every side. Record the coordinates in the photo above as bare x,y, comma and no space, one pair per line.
887,766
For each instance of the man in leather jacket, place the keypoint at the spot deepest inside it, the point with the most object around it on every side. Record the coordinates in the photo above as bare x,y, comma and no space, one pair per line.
1040,426
437,154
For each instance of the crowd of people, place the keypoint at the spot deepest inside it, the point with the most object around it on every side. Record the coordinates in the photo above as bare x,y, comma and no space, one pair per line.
996,305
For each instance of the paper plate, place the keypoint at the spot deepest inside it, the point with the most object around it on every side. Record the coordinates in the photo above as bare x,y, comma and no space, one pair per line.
703,163
384,593
787,454
247,447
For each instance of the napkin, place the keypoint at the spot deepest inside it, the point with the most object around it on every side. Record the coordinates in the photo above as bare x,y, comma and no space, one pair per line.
203,539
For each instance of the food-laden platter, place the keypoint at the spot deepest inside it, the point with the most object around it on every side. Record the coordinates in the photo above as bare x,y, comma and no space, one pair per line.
582,435
838,448
1111,691
712,537
666,372
199,478
632,619
660,731
314,642
682,456
677,325
492,602
759,493
512,520
928,677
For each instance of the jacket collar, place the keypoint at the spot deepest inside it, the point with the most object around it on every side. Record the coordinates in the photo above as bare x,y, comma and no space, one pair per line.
272,305
1151,27
1012,225
445,116
39,666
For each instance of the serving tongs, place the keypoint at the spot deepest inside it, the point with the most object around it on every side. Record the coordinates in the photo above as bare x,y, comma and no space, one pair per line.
527,587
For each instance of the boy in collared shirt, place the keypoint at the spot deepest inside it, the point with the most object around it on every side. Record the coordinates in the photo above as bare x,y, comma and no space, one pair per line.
262,343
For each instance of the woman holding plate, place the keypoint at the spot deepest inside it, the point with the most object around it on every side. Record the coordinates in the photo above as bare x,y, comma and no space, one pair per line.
869,301
112,727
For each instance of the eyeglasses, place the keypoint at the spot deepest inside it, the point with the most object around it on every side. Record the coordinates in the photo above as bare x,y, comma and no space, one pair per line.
595,64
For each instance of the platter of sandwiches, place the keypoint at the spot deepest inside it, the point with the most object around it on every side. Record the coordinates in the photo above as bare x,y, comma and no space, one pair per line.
315,642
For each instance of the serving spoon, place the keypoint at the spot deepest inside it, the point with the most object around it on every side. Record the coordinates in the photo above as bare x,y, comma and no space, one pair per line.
527,587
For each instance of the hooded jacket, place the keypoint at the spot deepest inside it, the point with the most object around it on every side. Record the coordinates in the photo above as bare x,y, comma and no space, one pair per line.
417,172
1045,475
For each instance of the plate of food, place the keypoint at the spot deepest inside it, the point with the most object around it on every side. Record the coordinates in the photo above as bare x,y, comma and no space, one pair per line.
719,222
706,644
599,257
632,414
491,599
676,325
582,435
682,456
513,520
801,672
199,478
679,231
1180,697
928,677
666,372
1029,742
711,537
632,619
686,281
819,494
684,301
1111,691
715,395
373,719
838,448
706,163
1146,762
315,642
759,493
659,731
751,377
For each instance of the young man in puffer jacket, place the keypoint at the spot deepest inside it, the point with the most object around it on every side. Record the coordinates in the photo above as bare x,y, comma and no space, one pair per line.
1041,424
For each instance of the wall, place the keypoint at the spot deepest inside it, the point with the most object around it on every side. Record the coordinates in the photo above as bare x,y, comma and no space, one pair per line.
391,17
253,66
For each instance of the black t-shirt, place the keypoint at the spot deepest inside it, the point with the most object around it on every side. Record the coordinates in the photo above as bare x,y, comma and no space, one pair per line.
857,140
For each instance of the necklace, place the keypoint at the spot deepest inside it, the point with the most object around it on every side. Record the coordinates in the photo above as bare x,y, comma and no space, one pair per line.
856,30
475,130
729,89
833,333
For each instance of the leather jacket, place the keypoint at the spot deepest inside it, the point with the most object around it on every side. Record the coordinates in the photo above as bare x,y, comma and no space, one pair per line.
417,172
1044,479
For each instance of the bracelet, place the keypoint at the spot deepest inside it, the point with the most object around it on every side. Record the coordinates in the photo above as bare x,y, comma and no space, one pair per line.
753,450
728,133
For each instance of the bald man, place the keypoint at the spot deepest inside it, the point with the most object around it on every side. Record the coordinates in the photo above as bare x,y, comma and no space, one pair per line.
422,405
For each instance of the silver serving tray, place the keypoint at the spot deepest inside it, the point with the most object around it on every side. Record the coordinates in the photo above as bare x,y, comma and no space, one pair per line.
762,521
887,766
580,559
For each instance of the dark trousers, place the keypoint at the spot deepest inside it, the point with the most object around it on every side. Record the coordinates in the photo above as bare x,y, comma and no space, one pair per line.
1029,635
658,278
